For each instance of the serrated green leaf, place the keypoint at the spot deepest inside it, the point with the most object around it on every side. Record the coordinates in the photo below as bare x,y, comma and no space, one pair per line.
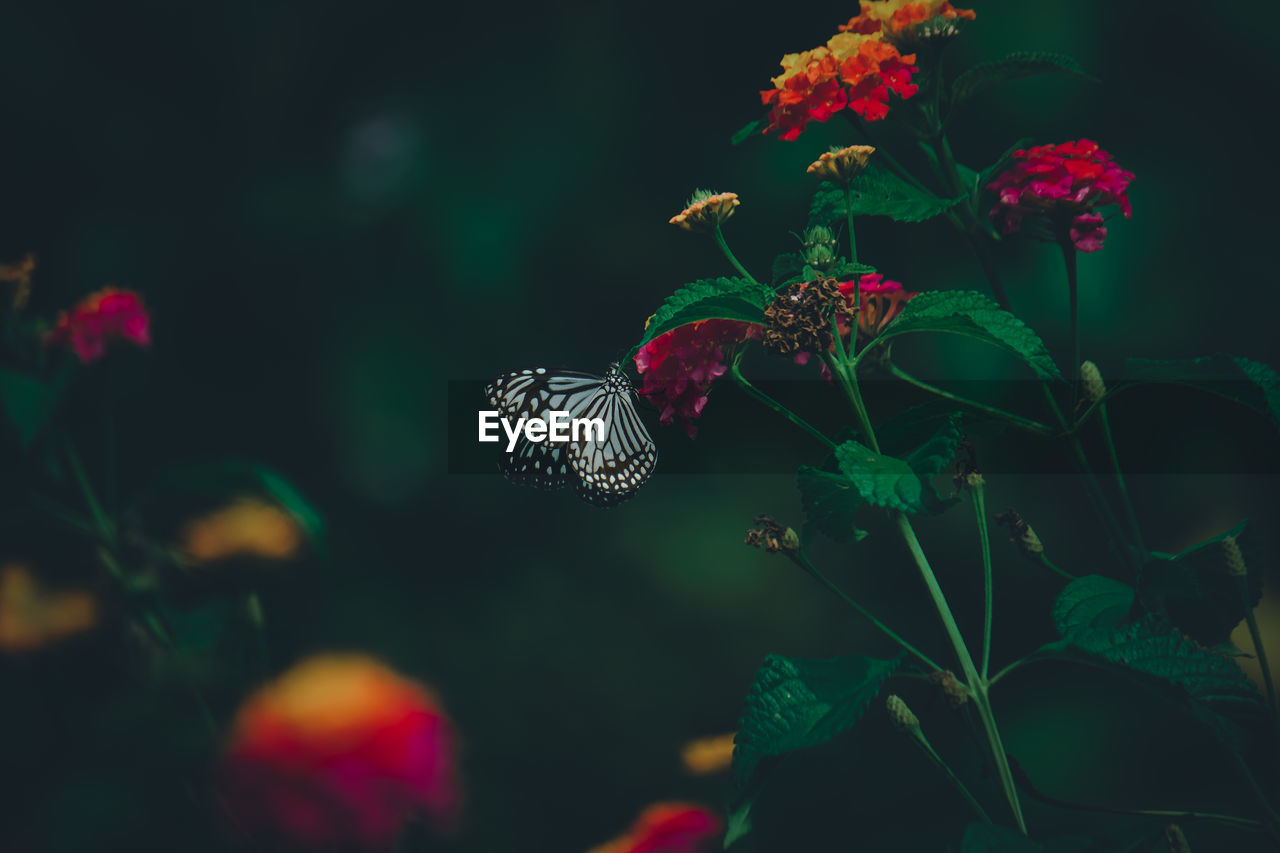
830,503
901,484
29,403
796,703
976,316
746,132
878,192
1085,613
989,838
1013,67
1195,590
848,269
1249,383
1092,603
711,299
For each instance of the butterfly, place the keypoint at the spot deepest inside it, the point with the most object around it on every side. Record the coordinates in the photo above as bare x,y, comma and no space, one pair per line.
604,471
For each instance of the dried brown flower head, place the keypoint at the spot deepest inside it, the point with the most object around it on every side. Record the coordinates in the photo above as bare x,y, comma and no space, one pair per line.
799,320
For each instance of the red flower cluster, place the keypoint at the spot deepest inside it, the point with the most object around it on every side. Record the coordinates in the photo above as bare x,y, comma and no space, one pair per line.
107,315
880,302
339,752
667,828
680,365
853,70
1067,183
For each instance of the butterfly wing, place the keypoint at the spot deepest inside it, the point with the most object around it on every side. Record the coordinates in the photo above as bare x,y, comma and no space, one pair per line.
621,461
542,465
533,392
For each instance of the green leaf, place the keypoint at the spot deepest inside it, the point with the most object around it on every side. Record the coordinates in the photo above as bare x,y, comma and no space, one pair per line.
786,267
989,838
1013,67
830,502
1249,383
1085,614
1092,603
29,403
796,703
976,316
902,484
711,299
878,192
1195,590
846,270
746,132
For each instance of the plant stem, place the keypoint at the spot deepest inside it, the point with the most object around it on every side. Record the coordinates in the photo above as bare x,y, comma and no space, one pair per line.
1048,564
759,396
980,512
1017,420
1091,481
923,742
728,253
1026,786
105,525
1069,261
853,243
1125,500
977,687
1255,634
801,560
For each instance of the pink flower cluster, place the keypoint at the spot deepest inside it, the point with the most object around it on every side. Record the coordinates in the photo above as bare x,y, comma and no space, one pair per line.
1068,183
109,314
679,366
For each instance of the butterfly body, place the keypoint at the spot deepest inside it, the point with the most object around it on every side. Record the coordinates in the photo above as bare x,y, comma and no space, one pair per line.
604,470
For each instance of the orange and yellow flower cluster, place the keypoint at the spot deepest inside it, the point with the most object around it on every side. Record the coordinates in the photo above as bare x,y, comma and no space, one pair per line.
857,68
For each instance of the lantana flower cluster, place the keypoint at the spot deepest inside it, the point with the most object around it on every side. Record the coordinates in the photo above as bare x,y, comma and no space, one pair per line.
857,68
1066,183
679,366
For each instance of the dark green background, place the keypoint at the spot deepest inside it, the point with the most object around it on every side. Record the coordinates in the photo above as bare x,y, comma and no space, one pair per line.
334,210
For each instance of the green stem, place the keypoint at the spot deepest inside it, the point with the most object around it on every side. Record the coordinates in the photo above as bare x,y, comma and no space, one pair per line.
853,243
759,396
1255,634
728,253
1091,481
923,742
1016,420
105,526
801,560
1069,261
980,512
257,618
1048,564
977,687
1125,500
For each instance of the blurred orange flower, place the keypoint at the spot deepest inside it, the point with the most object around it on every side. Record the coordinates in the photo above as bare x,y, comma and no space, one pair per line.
248,527
20,275
707,755
340,752
668,828
31,617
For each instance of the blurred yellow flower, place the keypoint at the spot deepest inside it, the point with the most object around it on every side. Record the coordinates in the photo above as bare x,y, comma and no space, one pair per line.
31,617
706,755
248,527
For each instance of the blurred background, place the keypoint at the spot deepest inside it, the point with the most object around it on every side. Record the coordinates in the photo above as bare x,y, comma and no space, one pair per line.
336,211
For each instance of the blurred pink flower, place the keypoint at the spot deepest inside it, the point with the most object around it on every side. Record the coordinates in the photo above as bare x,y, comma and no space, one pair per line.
338,753
668,828
99,318
1067,183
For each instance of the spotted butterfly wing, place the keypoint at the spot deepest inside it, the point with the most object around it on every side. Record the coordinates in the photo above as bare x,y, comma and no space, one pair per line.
604,473
621,461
